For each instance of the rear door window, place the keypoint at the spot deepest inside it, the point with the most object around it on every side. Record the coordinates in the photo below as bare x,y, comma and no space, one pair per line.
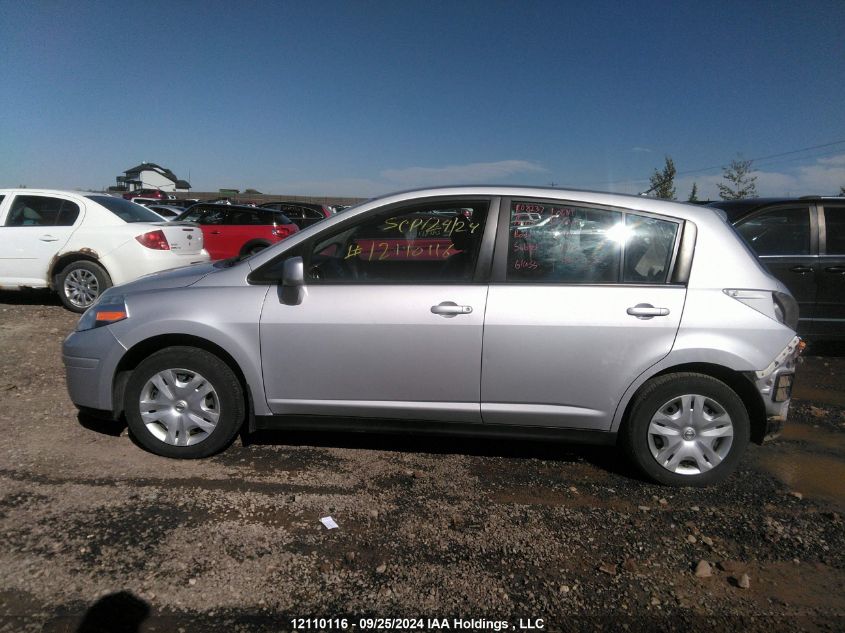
559,243
554,242
42,211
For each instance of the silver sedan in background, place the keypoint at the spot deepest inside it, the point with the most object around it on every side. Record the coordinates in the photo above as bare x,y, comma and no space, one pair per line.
609,319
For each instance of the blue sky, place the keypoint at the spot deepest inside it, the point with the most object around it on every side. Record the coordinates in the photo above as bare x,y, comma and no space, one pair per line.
363,98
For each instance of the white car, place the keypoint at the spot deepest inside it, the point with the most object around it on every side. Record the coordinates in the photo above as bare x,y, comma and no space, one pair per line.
79,244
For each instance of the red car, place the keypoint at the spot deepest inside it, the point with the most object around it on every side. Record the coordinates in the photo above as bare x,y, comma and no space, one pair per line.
154,194
232,230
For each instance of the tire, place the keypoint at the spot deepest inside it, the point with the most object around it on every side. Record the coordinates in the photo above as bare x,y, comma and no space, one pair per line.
193,403
80,283
698,448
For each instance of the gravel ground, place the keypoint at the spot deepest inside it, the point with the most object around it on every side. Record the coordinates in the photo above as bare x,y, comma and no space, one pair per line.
98,535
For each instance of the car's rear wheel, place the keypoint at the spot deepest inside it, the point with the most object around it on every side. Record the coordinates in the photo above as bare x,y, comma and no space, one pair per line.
184,402
686,429
80,283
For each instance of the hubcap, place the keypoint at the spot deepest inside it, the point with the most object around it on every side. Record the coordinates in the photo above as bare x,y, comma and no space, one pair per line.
81,287
179,407
690,434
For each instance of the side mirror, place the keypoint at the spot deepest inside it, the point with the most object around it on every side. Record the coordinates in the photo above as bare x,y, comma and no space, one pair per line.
292,289
293,273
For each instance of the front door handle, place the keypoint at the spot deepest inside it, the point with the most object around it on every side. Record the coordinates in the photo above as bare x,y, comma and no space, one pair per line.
836,270
450,309
214,232
647,311
801,270
48,238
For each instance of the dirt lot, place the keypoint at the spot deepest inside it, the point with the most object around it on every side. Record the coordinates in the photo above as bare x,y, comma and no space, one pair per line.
96,534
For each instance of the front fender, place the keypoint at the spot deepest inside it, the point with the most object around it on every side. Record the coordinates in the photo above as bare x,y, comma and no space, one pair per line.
227,317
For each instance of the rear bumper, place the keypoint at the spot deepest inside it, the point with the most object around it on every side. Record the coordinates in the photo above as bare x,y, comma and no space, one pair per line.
774,383
133,260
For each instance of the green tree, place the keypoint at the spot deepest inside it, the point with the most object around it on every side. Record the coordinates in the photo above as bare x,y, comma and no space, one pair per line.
842,191
693,195
663,182
740,182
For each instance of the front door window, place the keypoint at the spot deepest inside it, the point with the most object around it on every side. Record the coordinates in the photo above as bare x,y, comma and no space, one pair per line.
430,244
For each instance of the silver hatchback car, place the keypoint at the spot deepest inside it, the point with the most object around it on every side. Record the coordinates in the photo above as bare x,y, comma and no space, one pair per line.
603,318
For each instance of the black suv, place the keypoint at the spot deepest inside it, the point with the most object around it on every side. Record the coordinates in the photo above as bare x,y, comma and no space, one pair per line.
802,242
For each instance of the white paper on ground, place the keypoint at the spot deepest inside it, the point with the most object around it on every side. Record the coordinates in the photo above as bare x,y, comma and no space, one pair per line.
328,522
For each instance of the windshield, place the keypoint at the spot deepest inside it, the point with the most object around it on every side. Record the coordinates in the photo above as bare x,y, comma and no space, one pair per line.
125,210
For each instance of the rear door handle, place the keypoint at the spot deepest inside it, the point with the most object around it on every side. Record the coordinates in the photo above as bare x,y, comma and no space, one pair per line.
214,232
801,270
450,309
646,311
836,270
48,238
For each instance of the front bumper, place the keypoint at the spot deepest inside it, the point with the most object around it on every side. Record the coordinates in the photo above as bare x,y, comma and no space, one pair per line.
774,383
89,358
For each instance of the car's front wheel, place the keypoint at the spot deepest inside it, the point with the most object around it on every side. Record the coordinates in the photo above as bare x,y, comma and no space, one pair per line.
80,283
686,429
184,402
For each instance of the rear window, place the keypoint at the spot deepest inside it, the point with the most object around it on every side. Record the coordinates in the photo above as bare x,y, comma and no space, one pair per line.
126,210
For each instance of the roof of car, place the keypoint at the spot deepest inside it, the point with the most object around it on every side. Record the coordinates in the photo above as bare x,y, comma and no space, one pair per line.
293,203
737,209
25,190
577,196
230,207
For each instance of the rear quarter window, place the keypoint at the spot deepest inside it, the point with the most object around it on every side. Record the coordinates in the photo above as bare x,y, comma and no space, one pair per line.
649,246
834,219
